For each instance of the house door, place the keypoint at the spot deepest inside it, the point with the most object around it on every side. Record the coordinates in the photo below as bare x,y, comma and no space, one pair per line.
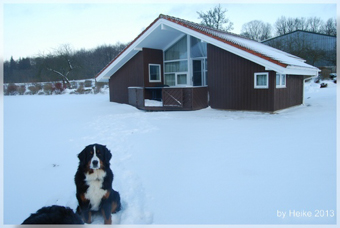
199,71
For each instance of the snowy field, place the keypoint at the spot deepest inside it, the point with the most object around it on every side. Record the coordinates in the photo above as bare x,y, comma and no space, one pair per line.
197,167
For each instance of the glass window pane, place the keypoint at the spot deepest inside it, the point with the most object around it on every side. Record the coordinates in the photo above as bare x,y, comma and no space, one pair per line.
261,80
169,79
283,80
177,51
182,79
154,73
277,79
198,48
179,66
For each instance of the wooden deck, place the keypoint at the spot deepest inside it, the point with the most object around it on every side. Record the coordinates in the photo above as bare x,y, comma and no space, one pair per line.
173,98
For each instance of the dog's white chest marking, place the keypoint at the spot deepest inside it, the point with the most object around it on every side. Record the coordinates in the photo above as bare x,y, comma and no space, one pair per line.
95,192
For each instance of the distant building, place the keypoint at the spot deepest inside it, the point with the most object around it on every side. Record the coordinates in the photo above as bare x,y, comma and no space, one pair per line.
317,49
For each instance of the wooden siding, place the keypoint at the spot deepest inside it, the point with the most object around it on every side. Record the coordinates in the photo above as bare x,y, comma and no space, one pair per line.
231,85
134,73
131,74
292,95
152,56
231,82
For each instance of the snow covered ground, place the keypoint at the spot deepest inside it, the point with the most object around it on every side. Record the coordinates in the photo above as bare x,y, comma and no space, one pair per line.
198,167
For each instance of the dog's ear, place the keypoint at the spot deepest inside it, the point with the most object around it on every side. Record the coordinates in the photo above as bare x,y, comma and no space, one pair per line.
82,156
107,155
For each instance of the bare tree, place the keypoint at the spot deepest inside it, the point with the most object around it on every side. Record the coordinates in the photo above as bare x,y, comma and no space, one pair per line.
330,27
215,18
301,24
281,26
285,25
291,24
256,30
64,75
315,24
61,63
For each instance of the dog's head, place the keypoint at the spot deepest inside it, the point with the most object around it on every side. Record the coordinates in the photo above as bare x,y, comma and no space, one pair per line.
54,215
95,156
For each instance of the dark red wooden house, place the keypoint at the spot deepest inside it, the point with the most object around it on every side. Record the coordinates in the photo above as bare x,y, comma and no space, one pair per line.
188,66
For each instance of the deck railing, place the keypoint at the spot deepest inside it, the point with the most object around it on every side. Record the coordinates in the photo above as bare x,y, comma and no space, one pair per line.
173,98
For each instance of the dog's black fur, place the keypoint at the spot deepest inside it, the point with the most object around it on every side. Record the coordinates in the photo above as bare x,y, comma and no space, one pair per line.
101,183
54,215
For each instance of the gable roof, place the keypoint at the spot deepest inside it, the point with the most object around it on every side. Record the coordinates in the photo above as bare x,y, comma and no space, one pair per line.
165,29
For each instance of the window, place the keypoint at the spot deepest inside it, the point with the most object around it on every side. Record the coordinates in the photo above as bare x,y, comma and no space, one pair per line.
174,79
280,81
178,66
155,73
197,48
177,51
169,79
261,80
176,63
181,79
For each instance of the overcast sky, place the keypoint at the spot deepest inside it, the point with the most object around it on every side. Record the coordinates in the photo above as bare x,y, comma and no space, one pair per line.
35,28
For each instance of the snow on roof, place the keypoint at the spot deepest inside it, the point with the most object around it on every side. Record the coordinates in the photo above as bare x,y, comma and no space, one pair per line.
257,52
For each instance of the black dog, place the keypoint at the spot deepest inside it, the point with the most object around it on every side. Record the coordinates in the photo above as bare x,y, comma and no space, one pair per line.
94,184
54,215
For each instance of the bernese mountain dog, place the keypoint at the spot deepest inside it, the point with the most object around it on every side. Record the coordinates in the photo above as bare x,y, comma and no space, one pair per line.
53,215
93,180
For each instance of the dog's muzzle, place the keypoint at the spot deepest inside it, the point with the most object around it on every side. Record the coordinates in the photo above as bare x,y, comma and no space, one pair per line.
94,164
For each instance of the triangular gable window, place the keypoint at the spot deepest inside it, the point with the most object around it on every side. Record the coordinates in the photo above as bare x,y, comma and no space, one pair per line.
197,48
177,51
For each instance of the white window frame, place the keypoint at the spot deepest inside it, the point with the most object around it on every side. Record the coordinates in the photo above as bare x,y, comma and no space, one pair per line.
176,78
280,85
261,86
159,73
178,60
184,73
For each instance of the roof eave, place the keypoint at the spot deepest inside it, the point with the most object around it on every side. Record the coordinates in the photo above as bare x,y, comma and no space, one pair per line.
295,70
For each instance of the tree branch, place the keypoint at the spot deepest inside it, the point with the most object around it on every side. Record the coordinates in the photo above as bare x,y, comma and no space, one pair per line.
62,75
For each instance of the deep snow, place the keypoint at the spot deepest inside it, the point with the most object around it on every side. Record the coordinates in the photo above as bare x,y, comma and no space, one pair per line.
198,167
